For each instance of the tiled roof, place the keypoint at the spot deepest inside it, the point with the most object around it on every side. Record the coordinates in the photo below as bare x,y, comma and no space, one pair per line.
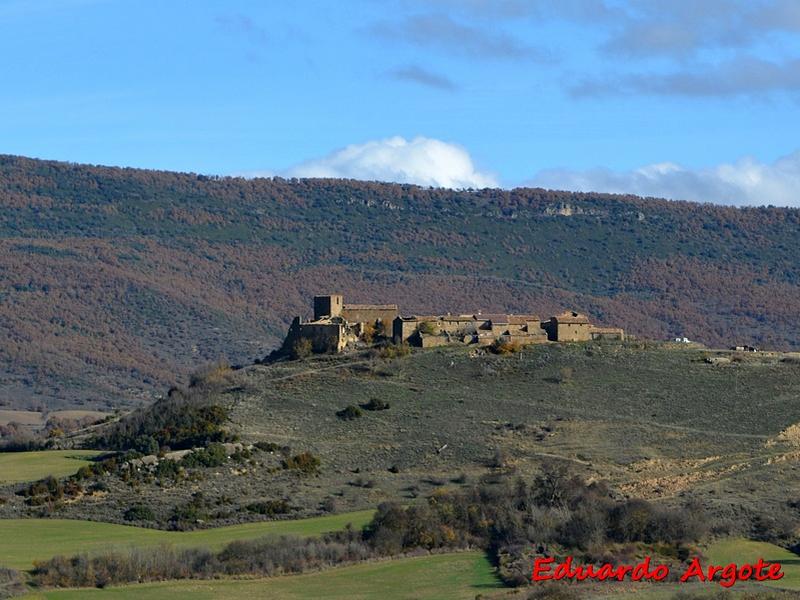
370,307
571,317
522,319
496,319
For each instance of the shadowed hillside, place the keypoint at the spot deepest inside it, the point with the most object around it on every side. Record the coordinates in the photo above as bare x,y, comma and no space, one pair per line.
115,282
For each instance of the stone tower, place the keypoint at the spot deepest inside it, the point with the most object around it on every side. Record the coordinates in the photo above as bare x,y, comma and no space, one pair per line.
328,306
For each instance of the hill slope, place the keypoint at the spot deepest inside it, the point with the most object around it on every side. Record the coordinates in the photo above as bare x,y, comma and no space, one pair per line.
115,282
654,421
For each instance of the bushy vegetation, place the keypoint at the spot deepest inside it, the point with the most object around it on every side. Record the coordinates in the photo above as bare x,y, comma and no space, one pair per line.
11,583
428,328
555,510
269,507
391,351
505,347
265,557
213,455
50,491
185,419
375,404
348,413
139,512
305,462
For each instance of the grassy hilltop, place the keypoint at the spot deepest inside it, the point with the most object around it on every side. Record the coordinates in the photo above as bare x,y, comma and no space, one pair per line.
115,283
655,421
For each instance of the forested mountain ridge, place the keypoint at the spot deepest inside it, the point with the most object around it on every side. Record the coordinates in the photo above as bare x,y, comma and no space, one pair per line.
116,282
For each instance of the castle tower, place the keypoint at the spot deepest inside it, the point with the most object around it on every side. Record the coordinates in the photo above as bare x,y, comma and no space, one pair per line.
328,306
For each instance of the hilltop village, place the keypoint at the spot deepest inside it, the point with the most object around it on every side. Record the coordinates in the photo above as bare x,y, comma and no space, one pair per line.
337,326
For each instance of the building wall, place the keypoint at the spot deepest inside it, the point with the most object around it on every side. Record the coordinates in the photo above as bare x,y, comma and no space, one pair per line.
457,325
524,338
403,330
432,341
325,337
573,332
608,334
370,315
328,306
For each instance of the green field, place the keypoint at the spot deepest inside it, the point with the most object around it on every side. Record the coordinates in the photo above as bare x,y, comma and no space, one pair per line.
16,467
740,551
440,577
24,540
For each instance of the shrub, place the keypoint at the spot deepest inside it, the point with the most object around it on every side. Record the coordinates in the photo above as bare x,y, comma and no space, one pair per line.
501,347
390,351
349,413
554,592
269,507
11,583
368,333
139,512
212,376
267,446
213,455
498,460
375,404
146,444
428,328
167,469
360,482
191,512
304,462
301,348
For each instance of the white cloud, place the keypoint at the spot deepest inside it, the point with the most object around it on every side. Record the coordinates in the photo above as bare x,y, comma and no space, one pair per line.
422,160
745,182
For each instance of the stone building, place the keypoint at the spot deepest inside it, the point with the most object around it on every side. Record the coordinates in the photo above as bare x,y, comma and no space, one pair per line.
572,326
372,315
569,326
337,325
481,329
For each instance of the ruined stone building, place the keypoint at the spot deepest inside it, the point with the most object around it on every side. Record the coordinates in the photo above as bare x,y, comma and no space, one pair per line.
337,325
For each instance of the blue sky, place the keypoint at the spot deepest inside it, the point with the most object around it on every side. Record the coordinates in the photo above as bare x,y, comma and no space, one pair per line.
695,100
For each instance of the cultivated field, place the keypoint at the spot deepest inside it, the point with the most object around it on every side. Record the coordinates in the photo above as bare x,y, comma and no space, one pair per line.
16,467
34,419
740,551
26,540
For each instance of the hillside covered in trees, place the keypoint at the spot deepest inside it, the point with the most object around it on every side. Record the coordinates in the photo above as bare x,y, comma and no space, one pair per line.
115,283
